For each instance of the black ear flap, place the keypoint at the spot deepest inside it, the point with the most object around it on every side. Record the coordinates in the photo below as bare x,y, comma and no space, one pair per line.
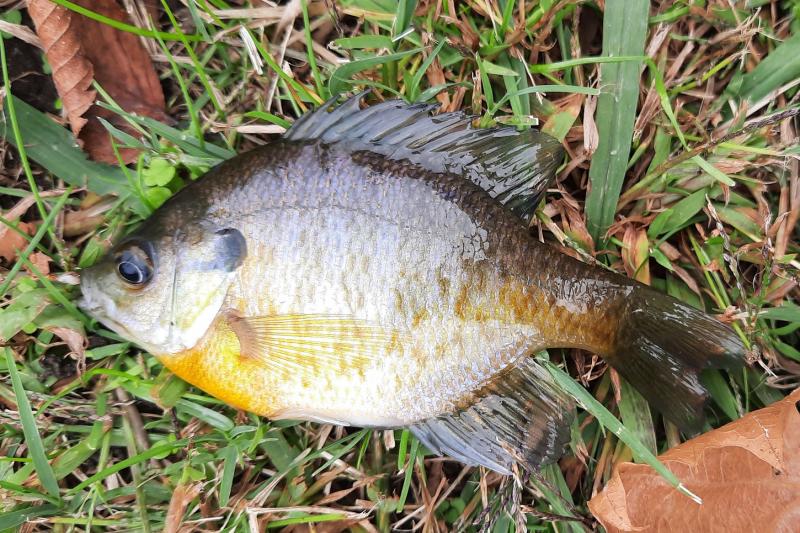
231,249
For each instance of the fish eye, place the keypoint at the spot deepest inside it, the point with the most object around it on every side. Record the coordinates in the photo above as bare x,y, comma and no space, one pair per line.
135,266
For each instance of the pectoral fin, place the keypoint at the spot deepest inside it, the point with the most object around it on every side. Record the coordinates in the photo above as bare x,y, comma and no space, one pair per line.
313,341
520,415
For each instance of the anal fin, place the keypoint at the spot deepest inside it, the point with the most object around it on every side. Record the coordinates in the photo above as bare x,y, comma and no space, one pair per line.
519,416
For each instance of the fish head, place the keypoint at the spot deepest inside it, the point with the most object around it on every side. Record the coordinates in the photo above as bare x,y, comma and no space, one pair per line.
163,289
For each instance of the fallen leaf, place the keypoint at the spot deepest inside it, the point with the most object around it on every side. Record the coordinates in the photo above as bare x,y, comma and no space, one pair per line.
747,473
81,50
575,224
76,342
635,253
11,242
41,262
562,116
435,76
78,223
59,32
182,496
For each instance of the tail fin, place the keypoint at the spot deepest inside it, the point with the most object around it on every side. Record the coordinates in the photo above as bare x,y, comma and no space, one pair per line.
661,347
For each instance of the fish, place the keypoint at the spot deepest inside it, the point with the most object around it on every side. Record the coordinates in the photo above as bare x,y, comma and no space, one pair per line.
375,267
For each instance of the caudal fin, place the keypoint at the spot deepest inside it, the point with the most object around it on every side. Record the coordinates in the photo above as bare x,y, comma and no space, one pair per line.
661,348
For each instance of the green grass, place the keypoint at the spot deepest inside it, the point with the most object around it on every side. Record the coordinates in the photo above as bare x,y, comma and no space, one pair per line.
707,184
624,33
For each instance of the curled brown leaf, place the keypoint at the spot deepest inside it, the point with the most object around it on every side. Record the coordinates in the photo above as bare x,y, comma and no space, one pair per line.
636,252
41,262
76,342
747,474
182,496
59,32
81,50
11,242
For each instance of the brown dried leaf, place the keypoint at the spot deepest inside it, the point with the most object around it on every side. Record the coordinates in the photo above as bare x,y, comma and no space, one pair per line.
469,39
635,253
80,50
76,342
59,31
11,241
41,262
747,474
575,224
182,496
435,76
687,278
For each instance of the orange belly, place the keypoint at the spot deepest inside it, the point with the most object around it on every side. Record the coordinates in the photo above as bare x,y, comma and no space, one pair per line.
216,366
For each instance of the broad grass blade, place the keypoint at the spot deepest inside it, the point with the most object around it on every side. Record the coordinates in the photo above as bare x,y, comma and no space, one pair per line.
624,32
32,438
781,66
55,148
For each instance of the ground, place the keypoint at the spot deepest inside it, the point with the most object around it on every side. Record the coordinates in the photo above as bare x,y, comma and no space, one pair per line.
681,171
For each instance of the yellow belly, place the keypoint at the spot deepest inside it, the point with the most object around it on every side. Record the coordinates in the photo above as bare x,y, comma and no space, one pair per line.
215,366
345,395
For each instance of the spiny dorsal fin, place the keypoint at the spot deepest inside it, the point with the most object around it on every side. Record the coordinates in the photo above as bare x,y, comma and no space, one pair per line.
515,167
520,415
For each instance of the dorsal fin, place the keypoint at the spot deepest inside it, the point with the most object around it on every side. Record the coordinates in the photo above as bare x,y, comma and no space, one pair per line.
515,167
520,415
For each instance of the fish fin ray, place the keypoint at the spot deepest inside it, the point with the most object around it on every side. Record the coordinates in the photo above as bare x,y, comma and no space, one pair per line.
295,342
520,415
513,166
309,415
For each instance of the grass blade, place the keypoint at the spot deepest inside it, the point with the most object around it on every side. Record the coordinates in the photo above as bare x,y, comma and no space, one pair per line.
34,242
122,26
53,147
412,459
340,80
32,438
781,66
624,32
12,519
610,422
312,59
228,456
635,414
556,492
133,460
405,9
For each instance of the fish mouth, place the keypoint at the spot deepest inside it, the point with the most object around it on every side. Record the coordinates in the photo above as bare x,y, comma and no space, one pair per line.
101,308
98,311
86,306
89,305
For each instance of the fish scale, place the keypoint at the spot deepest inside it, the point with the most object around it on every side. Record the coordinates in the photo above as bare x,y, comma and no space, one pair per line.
306,277
374,267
